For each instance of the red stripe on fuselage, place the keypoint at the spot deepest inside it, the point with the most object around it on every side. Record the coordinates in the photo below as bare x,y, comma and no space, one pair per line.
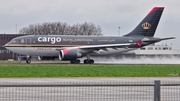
154,9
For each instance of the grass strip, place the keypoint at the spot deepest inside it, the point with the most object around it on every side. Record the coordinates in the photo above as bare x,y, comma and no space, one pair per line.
67,70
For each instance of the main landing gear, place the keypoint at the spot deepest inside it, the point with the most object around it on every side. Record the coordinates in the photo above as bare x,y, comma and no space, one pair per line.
75,61
28,61
88,60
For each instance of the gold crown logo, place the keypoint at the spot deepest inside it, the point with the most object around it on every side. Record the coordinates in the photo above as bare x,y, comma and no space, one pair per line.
146,25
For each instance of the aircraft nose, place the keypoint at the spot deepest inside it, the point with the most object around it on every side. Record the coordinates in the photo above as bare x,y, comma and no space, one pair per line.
6,45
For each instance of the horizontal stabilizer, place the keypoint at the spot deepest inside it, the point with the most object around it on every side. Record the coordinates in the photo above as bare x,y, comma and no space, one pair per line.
157,40
167,38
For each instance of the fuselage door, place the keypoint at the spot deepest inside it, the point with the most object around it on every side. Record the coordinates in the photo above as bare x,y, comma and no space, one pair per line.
28,42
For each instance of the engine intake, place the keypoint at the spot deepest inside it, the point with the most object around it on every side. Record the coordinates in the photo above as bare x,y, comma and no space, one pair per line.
69,54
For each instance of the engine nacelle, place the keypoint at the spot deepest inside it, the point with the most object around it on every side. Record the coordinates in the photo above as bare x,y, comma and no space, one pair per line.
69,54
47,57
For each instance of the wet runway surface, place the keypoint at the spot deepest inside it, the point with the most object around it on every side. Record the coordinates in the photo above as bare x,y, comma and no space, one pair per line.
145,60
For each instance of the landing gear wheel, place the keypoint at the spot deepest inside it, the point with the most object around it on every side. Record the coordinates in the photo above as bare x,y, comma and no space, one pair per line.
75,61
91,61
78,61
28,61
86,61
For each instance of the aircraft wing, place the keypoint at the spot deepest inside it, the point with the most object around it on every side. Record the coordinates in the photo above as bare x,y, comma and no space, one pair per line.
125,45
96,47
105,46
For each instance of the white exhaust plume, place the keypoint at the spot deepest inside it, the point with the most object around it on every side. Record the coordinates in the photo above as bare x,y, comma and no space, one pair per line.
139,60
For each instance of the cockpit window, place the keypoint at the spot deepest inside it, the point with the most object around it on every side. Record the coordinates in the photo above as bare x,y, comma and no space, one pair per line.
15,41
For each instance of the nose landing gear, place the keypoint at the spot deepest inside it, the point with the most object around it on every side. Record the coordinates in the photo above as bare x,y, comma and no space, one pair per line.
28,61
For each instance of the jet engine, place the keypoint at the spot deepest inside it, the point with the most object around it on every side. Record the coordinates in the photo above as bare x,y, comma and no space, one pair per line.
47,57
69,54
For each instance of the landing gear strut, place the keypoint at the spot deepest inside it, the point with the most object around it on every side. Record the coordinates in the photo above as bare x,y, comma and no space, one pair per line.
28,61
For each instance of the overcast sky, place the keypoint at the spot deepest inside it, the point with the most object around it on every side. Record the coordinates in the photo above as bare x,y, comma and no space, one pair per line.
109,14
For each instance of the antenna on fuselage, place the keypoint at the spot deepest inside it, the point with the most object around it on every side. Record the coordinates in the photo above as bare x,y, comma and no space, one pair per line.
119,30
16,25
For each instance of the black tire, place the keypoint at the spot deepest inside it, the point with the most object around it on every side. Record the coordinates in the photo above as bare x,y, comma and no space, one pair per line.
75,61
28,61
85,61
72,62
91,61
78,61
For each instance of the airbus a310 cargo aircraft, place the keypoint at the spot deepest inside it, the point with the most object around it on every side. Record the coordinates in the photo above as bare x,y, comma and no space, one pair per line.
73,47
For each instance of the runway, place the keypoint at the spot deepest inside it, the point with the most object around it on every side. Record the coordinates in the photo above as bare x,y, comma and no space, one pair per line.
87,79
142,60
88,93
111,60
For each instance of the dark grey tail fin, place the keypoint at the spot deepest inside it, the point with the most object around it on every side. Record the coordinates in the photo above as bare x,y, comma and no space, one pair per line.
148,25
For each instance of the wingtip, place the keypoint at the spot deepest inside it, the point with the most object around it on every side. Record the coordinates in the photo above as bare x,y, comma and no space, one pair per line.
168,38
173,37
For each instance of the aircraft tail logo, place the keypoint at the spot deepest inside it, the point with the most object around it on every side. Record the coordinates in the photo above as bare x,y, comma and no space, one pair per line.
148,25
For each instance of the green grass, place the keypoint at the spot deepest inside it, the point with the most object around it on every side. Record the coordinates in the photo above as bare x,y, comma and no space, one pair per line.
68,70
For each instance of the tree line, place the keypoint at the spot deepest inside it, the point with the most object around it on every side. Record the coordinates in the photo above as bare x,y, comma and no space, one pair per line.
59,28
